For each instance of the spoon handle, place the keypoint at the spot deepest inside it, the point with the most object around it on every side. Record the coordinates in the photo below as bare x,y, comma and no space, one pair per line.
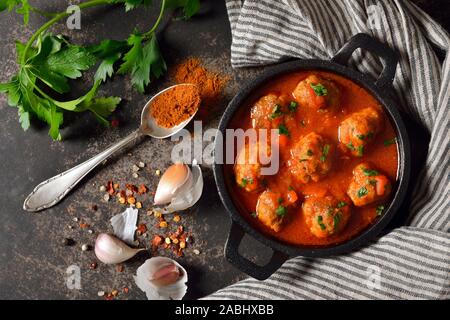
51,191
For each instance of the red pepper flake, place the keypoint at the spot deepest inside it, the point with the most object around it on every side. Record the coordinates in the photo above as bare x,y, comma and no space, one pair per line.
142,189
93,266
131,187
110,187
156,241
123,194
126,290
84,225
141,228
108,296
114,123
180,231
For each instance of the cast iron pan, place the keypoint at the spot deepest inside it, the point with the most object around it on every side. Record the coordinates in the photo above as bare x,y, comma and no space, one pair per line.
380,89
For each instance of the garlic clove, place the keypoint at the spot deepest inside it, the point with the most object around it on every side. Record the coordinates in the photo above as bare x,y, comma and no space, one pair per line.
167,275
162,278
111,250
174,178
189,193
124,225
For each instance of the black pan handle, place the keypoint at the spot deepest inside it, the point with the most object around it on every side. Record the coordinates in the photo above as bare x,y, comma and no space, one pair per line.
245,265
364,41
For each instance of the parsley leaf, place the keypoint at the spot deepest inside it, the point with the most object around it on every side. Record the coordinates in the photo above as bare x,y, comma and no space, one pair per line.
320,222
283,130
351,146
325,151
360,150
337,220
276,112
109,52
362,192
319,89
341,204
293,106
24,8
189,7
370,172
142,61
379,210
390,142
281,211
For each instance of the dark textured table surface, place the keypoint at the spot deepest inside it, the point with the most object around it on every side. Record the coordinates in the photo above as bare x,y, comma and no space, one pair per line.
32,259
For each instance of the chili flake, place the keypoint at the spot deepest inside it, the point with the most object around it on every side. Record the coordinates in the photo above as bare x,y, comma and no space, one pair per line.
131,200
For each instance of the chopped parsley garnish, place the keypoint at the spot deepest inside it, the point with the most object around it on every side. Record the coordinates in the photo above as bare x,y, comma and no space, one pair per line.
280,200
337,219
320,222
389,142
293,106
365,136
276,112
379,210
281,211
362,192
330,211
372,182
341,204
309,153
370,172
290,188
319,89
325,151
351,146
283,130
254,214
360,151
245,182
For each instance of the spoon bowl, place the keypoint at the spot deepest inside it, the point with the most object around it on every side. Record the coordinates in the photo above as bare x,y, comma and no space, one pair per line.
151,128
51,191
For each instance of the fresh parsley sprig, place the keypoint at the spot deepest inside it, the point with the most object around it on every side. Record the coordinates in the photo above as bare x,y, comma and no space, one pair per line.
47,64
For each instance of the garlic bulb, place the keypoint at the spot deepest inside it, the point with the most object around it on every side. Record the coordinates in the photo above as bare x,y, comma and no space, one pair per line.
111,250
180,187
162,278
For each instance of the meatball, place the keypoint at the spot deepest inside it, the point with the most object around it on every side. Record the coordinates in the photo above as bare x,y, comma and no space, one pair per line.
267,113
247,168
311,158
359,129
368,185
326,215
317,93
270,210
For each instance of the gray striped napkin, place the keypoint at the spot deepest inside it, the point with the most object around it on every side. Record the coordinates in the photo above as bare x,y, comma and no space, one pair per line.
411,262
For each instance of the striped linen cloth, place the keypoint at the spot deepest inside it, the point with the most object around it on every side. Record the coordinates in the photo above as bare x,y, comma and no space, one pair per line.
411,262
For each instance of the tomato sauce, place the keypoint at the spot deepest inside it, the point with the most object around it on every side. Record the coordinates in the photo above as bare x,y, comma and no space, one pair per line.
384,158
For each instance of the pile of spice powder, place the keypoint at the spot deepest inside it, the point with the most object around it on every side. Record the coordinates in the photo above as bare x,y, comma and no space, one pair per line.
175,105
209,84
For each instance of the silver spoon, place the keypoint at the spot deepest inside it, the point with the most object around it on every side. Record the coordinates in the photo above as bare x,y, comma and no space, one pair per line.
51,191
